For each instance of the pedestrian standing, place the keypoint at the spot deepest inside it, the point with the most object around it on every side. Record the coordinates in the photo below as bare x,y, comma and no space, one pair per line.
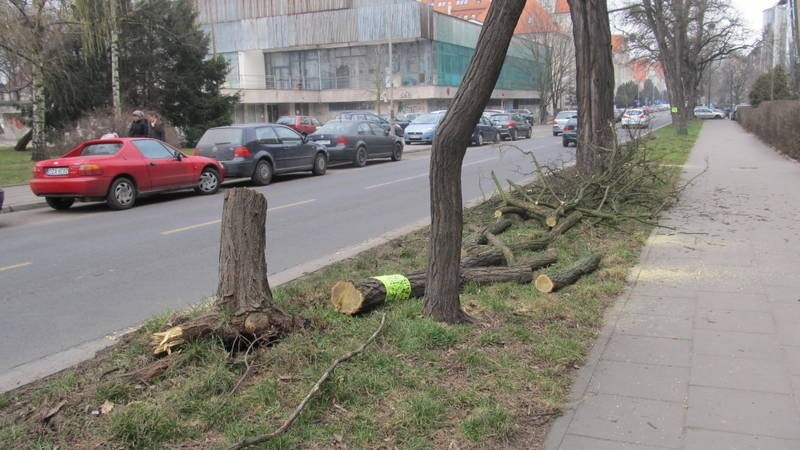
155,126
139,125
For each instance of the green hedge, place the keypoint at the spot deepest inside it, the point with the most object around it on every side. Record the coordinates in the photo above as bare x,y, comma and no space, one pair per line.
777,123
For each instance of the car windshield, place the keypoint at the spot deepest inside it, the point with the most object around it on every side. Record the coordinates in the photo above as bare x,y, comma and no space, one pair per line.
337,128
566,114
110,148
286,120
429,118
221,136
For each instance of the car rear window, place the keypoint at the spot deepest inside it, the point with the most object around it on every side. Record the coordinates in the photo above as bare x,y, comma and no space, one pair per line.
110,148
501,117
566,114
286,120
429,118
221,136
337,128
635,112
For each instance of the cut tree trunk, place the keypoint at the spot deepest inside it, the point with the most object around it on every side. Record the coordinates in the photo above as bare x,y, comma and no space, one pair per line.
359,296
557,279
244,303
568,222
484,256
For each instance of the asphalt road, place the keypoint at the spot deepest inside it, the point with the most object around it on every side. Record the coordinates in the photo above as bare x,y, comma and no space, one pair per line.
71,278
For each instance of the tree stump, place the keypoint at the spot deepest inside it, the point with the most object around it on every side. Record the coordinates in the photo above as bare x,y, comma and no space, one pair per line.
557,279
244,303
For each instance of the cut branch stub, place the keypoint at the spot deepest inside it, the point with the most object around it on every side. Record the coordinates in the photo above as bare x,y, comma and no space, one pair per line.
557,279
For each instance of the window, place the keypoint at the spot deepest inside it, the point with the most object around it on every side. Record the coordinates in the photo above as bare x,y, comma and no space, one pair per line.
288,136
153,150
101,149
377,130
266,135
363,129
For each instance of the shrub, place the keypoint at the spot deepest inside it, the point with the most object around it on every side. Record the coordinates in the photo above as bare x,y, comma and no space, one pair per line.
777,123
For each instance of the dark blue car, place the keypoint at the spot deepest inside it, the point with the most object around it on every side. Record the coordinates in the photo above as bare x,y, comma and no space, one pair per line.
357,141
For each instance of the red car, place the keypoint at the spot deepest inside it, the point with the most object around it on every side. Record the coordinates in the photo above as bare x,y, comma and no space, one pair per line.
119,170
304,125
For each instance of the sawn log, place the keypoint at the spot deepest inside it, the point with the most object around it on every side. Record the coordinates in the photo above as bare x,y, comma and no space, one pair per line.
557,279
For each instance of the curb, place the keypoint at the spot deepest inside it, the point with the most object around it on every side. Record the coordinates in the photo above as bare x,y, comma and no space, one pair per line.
23,207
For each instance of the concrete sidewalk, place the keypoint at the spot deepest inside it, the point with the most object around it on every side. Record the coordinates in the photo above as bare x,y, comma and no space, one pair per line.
703,350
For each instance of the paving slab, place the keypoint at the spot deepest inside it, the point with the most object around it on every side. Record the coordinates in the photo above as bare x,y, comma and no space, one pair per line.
703,349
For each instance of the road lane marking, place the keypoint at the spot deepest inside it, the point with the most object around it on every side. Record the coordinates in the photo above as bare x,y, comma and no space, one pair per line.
400,180
15,266
214,222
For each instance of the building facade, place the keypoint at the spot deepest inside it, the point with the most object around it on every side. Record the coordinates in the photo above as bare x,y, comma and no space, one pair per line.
319,57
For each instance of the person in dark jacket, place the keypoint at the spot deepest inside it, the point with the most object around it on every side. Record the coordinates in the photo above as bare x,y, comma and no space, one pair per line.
155,126
139,125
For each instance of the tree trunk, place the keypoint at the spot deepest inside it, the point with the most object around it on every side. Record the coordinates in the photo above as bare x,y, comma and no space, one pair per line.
355,297
116,101
243,290
594,83
447,154
557,279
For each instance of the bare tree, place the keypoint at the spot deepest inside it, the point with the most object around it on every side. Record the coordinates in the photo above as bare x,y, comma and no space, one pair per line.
595,83
33,30
554,78
442,295
686,36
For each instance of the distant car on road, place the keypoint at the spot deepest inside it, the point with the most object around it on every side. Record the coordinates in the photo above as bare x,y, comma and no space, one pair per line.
369,117
561,119
525,113
569,133
635,118
422,130
304,125
484,131
357,141
259,151
120,170
702,112
511,126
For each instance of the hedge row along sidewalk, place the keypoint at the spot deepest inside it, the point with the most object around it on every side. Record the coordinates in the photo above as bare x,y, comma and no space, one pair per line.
420,384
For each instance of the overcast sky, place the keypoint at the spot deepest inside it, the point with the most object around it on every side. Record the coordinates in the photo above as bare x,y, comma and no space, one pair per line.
752,12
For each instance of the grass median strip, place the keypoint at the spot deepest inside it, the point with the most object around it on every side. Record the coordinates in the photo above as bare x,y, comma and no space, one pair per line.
420,385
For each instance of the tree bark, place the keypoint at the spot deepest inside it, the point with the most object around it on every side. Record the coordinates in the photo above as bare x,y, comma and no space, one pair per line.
594,83
557,279
447,155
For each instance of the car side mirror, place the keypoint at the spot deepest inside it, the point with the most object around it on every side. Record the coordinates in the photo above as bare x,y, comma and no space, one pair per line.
385,132
304,138
178,156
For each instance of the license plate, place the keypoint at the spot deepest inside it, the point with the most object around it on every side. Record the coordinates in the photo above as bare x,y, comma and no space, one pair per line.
57,171
323,142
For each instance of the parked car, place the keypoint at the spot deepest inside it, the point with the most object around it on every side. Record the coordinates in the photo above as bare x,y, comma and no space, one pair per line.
569,132
525,113
259,151
635,118
357,141
423,129
400,120
702,112
369,117
120,170
484,131
511,126
561,119
304,125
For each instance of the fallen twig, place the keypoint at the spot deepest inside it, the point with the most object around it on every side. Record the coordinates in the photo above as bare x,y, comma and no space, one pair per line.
249,442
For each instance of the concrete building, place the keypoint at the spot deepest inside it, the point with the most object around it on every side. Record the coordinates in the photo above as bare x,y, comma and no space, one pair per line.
780,46
323,56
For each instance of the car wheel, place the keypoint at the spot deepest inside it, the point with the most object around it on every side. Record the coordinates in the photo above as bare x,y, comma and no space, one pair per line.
407,143
262,175
479,140
361,157
564,142
59,203
209,182
530,133
320,164
555,133
397,153
121,194
513,134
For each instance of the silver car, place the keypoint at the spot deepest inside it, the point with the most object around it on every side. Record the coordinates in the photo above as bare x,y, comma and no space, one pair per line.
701,112
561,119
635,118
